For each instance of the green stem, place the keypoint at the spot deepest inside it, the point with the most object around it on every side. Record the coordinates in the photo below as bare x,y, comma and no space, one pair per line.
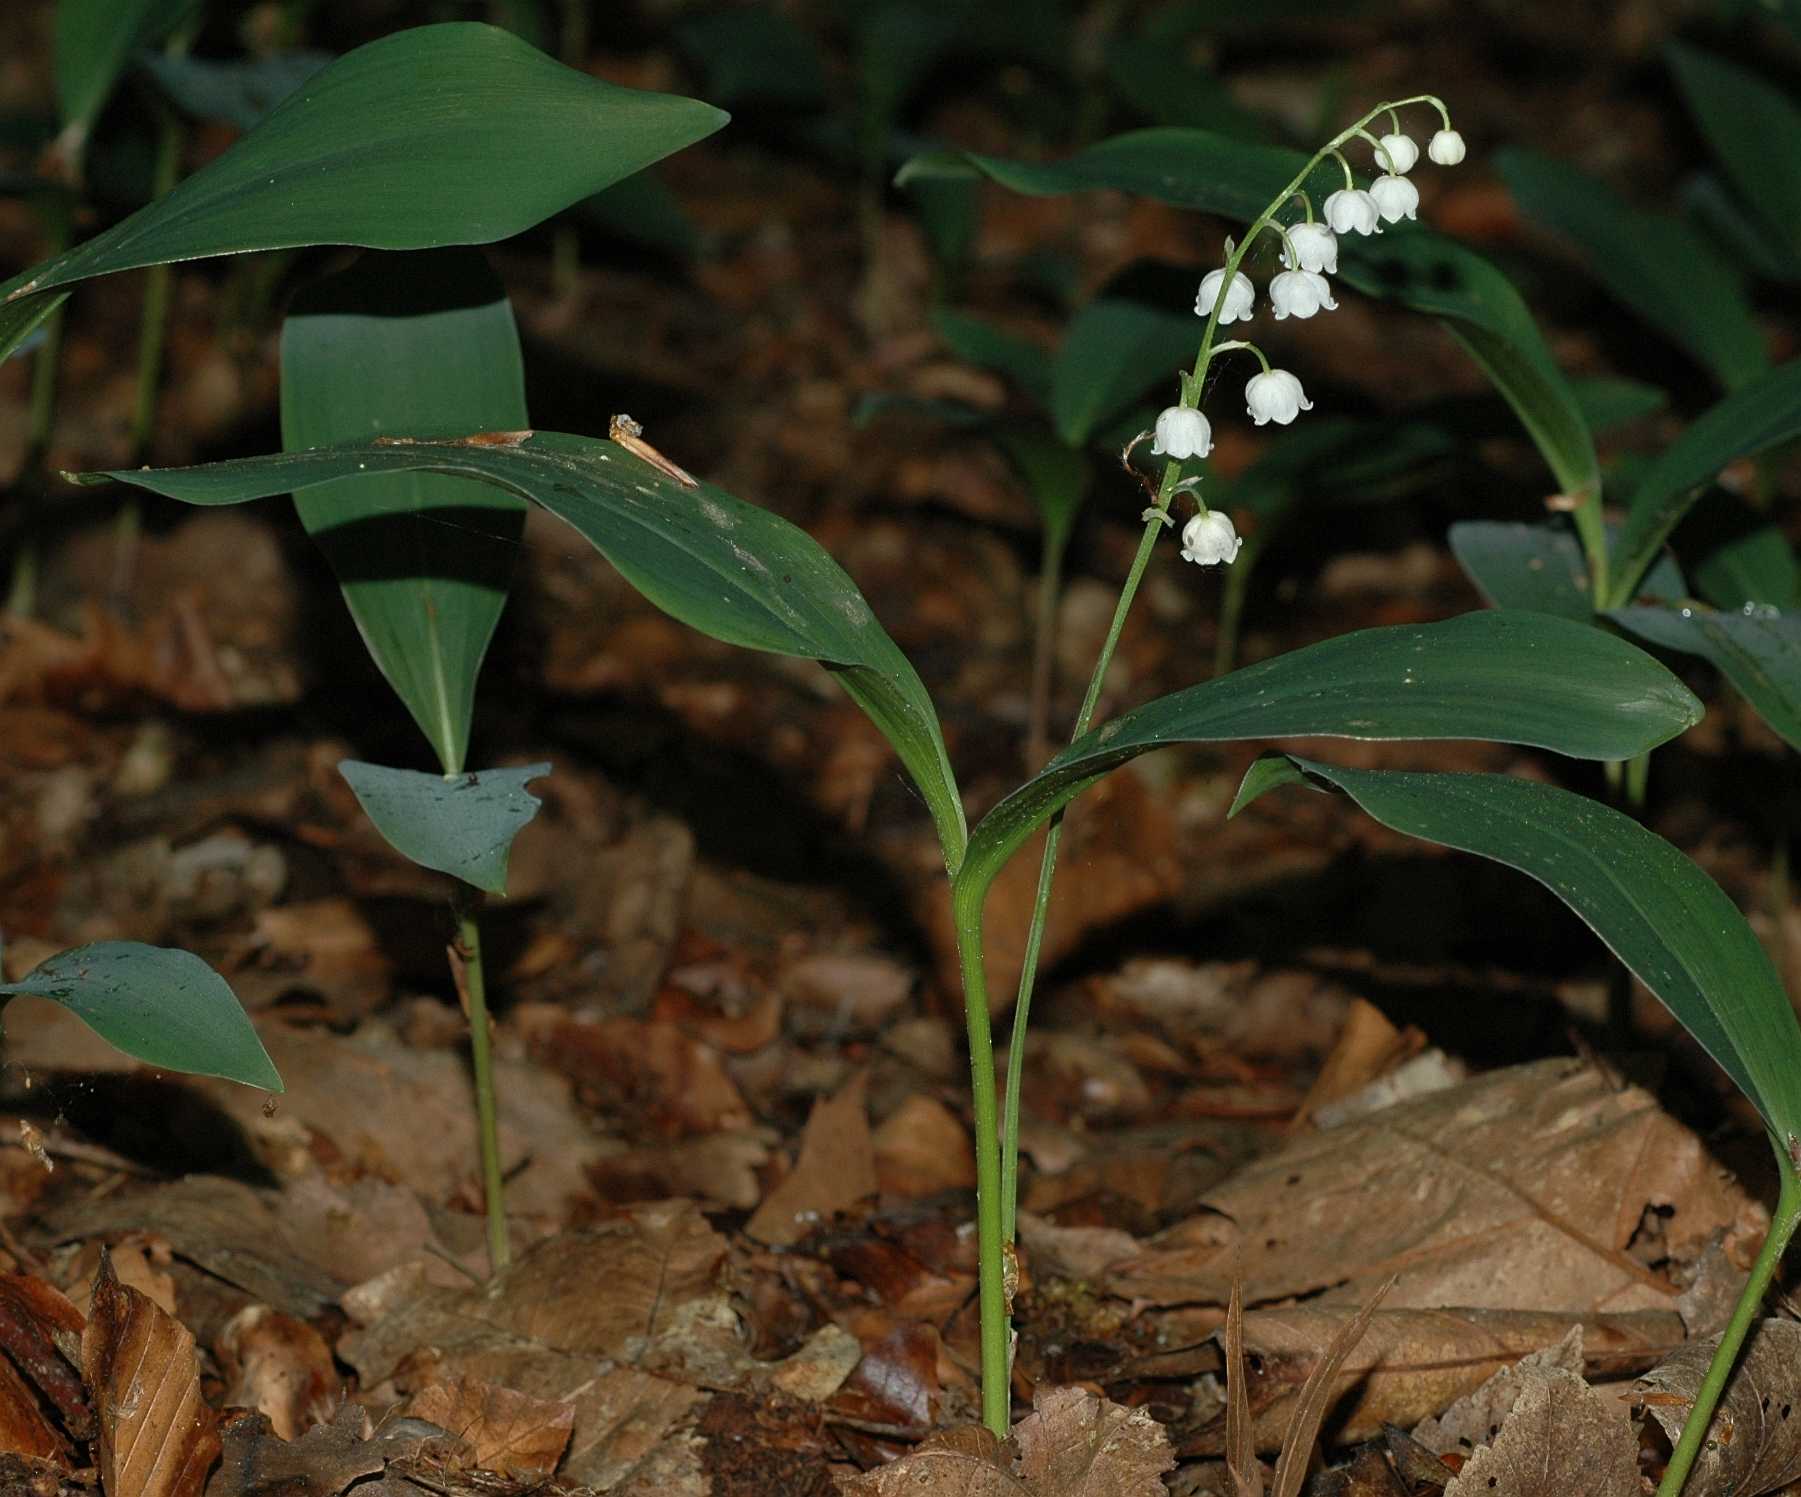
1047,865
1009,1163
1744,1313
996,1332
475,991
1231,609
153,326
1044,645
153,329
21,596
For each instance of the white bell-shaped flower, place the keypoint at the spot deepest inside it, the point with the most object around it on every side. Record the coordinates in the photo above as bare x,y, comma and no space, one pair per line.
1300,293
1182,433
1396,198
1350,210
1315,246
1446,148
1210,539
1275,395
1241,296
1398,153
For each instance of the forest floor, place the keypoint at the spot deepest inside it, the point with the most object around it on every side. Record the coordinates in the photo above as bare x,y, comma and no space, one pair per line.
1293,1051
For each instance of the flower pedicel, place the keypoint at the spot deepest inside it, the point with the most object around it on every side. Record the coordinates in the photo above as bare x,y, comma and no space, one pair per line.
1309,254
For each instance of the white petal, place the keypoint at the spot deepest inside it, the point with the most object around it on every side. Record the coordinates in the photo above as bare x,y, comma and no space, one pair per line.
1398,153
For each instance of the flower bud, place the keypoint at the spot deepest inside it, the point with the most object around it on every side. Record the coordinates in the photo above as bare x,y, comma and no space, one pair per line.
1396,198
1275,395
1398,153
1240,297
1315,246
1352,211
1300,293
1210,539
1182,433
1446,148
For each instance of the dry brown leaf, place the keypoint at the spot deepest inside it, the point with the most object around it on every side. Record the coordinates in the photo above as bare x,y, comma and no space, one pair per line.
1410,1365
643,1291
1074,1444
1561,1437
280,1366
35,1321
1366,1047
325,946
833,993
1520,1189
1476,1418
325,1460
230,1229
718,1167
1754,1443
507,1432
157,1436
835,1170
922,1148
669,1083
964,1462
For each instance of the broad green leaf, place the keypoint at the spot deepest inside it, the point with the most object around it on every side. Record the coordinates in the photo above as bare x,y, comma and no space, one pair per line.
95,39
1163,83
753,54
1657,912
451,134
1056,477
1610,400
1657,265
727,568
1717,210
1754,129
643,210
1758,650
976,341
1113,353
1540,567
411,345
240,91
462,824
1510,677
1757,566
1208,173
1752,419
163,1006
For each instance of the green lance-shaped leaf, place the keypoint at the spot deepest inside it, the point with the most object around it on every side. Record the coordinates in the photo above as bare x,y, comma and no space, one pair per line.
162,1006
978,342
1758,651
462,824
1211,174
1757,566
236,91
95,41
1055,478
1113,352
418,345
720,565
1540,567
1755,130
1656,264
458,133
1659,913
1509,677
1752,419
